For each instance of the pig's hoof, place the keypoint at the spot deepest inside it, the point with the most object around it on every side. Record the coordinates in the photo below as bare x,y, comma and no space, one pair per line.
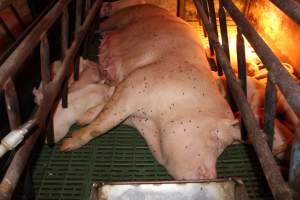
70,144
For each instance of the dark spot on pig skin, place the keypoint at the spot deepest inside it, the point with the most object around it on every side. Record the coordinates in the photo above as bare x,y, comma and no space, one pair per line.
199,154
183,93
203,94
186,147
190,121
145,78
184,130
173,131
198,127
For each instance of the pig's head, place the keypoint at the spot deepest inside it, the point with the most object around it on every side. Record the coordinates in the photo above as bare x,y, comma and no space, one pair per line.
192,154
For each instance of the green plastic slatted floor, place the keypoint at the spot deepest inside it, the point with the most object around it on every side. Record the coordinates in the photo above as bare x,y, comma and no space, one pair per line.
123,155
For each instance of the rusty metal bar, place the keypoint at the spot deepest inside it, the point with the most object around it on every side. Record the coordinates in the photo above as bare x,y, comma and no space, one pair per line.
205,6
7,30
25,48
15,12
294,173
270,110
64,48
290,8
77,25
272,173
45,61
46,78
213,20
12,105
242,72
86,41
289,88
223,28
5,3
15,169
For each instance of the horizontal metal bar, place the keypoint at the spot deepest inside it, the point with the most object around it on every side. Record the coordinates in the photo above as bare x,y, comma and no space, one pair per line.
272,173
290,8
278,74
25,48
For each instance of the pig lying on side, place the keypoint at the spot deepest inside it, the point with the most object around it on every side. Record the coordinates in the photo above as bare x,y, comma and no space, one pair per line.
166,90
86,98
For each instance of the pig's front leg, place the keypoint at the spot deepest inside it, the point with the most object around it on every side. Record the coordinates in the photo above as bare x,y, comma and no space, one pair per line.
149,130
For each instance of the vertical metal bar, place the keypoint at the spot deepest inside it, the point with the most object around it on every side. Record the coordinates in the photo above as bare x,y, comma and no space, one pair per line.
213,20
76,67
78,17
6,29
242,75
223,28
270,110
77,25
64,48
241,60
205,6
46,77
15,12
294,173
45,61
12,104
86,41
225,45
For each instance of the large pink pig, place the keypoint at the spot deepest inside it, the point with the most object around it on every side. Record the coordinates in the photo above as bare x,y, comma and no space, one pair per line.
168,93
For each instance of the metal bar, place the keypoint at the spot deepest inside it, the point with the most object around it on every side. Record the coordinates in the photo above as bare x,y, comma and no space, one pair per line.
19,162
7,30
289,88
46,78
272,173
270,110
213,20
76,67
290,8
13,9
64,48
205,6
86,41
25,48
242,72
5,3
294,173
224,32
77,25
45,61
78,17
12,105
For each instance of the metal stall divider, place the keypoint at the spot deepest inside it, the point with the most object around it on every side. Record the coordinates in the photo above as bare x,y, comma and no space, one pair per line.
50,89
278,186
